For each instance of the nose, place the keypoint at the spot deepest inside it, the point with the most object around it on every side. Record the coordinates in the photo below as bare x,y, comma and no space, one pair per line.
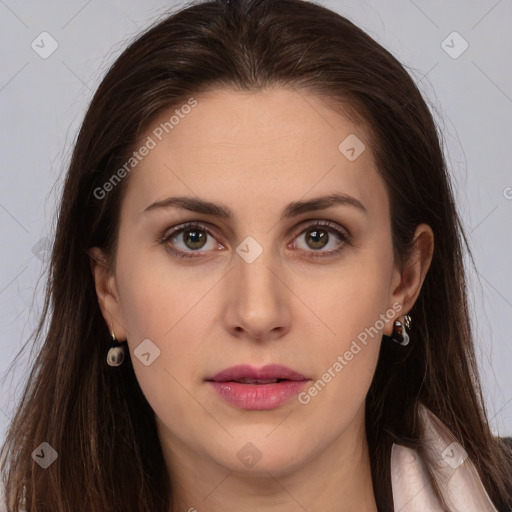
257,306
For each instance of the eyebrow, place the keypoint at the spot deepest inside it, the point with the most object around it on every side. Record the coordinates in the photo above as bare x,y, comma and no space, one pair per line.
293,209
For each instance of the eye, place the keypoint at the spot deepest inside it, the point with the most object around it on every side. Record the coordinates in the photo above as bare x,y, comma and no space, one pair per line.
185,240
318,236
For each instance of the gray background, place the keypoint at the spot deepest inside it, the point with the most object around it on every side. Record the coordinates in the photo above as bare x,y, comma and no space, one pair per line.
42,102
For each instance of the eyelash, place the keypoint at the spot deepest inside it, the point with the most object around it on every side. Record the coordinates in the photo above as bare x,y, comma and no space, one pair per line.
345,239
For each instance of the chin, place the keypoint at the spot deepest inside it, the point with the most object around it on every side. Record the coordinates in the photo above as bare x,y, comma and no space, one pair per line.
258,454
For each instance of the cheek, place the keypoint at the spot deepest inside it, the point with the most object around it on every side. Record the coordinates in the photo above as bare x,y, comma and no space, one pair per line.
159,305
352,305
156,295
172,307
345,360
349,299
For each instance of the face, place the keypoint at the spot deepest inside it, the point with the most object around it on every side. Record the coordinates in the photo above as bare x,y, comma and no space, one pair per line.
271,276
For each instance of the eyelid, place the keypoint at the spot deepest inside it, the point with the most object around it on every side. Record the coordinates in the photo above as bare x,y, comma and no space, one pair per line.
189,225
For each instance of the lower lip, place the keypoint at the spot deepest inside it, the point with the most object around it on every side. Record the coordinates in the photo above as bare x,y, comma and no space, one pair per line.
258,397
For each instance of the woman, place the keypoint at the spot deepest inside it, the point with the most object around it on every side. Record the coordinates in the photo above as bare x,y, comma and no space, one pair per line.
258,216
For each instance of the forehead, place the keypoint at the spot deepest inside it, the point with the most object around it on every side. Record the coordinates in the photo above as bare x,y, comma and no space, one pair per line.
256,149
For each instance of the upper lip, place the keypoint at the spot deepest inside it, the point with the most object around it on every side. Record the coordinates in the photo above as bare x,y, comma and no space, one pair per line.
245,372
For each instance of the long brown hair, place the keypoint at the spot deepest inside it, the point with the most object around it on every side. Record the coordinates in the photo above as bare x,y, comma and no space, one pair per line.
95,416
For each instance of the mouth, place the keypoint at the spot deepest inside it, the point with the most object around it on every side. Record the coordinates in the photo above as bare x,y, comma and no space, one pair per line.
249,388
269,374
247,380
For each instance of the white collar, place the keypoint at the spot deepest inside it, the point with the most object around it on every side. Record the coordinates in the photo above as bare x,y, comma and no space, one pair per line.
455,474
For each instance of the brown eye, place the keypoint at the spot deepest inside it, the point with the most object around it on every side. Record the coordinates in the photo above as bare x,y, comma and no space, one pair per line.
188,240
317,238
194,238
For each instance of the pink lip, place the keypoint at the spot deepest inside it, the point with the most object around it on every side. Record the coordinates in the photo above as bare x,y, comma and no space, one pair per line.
230,384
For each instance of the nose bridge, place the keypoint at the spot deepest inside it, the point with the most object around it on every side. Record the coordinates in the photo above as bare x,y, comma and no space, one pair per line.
258,297
253,274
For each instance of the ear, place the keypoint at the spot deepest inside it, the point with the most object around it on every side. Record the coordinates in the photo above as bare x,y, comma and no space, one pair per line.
407,283
106,290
